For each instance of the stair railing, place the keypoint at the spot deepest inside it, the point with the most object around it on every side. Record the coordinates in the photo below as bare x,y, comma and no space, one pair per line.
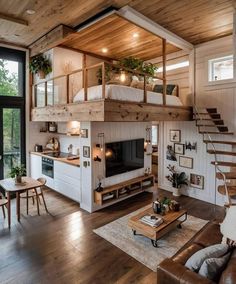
217,168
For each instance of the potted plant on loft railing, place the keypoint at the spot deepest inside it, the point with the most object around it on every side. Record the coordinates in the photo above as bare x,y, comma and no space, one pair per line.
18,172
40,65
132,63
177,180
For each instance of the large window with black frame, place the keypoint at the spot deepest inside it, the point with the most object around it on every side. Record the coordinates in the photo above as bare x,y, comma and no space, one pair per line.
12,110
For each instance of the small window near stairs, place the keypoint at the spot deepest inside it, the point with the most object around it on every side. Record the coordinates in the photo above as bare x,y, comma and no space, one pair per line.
221,68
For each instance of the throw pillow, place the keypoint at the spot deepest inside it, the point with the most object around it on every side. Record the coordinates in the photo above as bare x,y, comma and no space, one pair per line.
169,89
228,227
196,260
212,267
140,85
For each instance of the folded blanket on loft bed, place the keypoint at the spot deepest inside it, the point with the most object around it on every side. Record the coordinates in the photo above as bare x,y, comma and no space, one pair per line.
126,93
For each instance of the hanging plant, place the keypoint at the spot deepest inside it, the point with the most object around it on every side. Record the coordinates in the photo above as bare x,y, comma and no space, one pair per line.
40,65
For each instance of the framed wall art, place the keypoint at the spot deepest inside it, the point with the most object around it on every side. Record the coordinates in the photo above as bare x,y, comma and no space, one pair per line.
185,162
197,181
179,148
175,135
84,133
86,151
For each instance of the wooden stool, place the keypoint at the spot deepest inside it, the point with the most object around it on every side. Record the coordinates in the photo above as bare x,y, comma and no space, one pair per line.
33,193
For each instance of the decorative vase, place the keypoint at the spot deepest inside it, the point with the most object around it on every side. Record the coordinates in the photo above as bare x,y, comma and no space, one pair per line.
18,179
176,192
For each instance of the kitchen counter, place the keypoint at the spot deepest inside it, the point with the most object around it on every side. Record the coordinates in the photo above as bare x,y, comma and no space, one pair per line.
75,162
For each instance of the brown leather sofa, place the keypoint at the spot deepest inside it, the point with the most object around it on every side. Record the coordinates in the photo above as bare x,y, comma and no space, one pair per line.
173,271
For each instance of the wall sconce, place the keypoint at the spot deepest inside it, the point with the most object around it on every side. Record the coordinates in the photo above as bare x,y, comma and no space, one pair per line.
97,159
100,145
148,135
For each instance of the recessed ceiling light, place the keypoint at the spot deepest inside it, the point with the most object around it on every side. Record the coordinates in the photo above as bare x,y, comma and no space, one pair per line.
30,12
135,35
104,50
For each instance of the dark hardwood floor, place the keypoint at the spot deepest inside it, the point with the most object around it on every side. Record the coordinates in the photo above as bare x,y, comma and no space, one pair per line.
62,248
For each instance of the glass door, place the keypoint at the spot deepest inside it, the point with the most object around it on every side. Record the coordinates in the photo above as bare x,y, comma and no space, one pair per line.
11,148
12,110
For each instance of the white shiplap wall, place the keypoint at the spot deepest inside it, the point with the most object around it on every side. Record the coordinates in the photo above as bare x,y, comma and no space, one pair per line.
217,95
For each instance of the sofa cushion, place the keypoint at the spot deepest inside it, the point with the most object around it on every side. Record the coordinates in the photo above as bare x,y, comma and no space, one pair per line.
185,254
229,274
196,260
213,267
212,230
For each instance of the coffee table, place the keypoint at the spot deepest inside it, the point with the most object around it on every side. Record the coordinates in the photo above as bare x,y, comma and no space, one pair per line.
171,221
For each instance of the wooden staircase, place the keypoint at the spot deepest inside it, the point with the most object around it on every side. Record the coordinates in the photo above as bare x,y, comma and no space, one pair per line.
209,122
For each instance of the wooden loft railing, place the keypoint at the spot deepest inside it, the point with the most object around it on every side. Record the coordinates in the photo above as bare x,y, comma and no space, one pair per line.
84,72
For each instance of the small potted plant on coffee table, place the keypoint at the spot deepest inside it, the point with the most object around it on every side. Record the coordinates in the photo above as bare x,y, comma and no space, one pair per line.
17,173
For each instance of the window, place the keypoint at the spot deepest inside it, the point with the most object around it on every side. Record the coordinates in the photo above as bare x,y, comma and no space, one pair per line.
221,68
12,110
174,66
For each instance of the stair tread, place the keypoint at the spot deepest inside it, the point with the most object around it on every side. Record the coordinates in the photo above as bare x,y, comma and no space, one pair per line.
231,190
220,142
209,119
216,132
224,164
212,125
221,152
228,175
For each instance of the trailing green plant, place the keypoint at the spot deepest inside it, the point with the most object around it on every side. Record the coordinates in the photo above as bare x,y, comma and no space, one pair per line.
132,63
40,63
139,65
108,69
177,179
18,171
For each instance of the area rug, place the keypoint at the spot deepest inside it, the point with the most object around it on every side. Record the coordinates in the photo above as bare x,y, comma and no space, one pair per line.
119,234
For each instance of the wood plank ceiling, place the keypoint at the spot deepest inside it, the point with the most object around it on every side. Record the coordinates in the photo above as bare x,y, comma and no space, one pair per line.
194,20
121,39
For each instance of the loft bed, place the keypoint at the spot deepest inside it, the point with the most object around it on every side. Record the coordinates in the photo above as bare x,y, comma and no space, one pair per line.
108,101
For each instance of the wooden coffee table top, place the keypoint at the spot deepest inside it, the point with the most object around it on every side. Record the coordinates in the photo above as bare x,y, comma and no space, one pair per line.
170,221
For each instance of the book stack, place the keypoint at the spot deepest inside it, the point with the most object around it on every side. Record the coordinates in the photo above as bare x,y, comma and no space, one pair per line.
152,220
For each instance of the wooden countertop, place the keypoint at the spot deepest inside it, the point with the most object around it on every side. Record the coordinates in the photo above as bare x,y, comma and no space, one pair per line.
75,162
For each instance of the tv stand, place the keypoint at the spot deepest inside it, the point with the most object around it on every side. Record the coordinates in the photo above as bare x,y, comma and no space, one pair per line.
123,190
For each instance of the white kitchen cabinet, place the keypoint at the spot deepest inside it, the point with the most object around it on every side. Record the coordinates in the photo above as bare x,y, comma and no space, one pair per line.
35,166
66,177
67,180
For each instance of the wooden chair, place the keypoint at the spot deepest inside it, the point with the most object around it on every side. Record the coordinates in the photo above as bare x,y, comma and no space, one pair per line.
34,194
3,204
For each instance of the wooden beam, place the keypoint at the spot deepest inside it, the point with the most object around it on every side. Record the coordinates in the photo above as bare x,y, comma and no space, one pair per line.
52,39
131,111
164,69
112,110
86,111
13,19
140,20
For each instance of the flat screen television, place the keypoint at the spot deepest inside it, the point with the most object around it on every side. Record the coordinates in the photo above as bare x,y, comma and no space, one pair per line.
124,156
